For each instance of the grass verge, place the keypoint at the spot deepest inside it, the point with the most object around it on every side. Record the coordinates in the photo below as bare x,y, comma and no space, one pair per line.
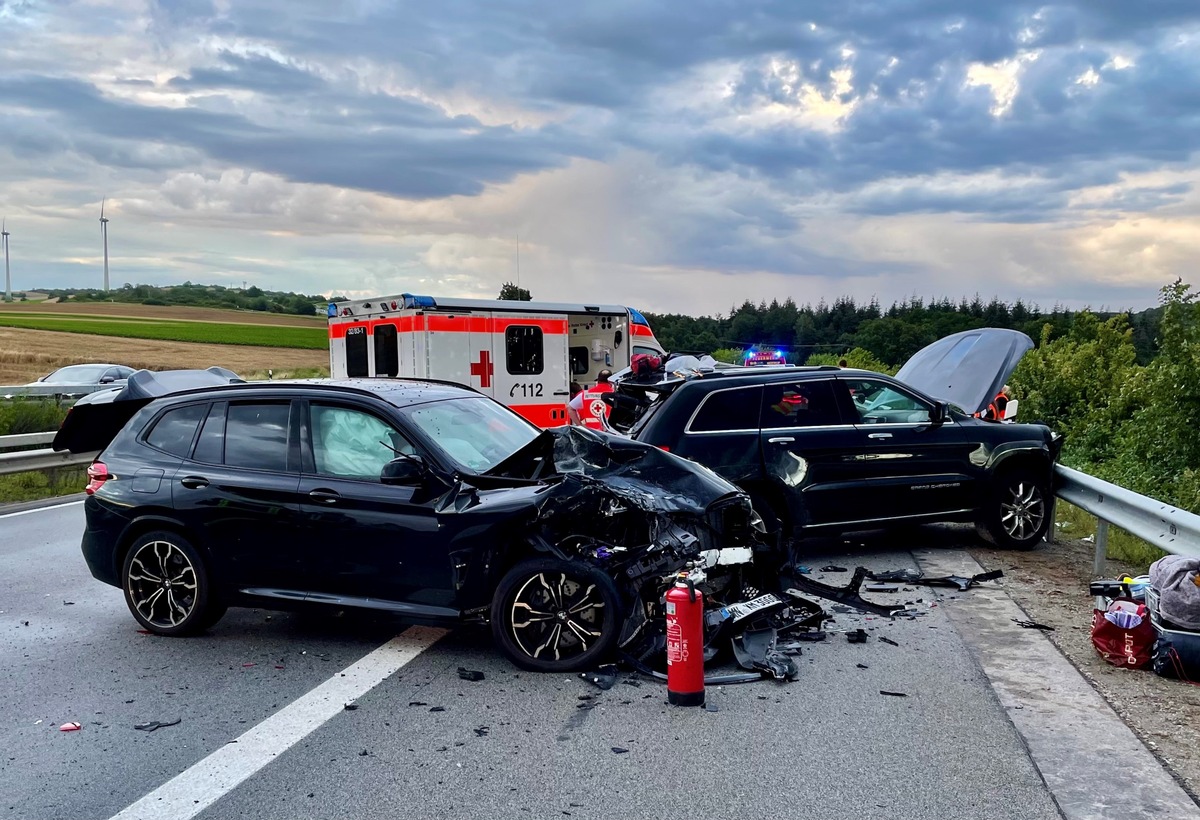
39,485
231,333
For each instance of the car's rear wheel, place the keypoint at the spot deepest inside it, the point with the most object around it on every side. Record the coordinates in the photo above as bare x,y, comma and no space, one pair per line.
550,615
167,586
1019,510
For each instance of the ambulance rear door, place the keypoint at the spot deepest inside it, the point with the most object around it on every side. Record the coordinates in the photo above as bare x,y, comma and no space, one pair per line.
529,365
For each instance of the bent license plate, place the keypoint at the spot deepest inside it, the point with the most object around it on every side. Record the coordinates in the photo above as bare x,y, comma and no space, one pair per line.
741,610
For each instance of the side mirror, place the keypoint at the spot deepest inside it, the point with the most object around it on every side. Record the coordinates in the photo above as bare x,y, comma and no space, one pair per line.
107,379
406,471
617,338
941,412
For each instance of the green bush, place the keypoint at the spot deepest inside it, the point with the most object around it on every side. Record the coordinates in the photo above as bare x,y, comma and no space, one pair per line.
30,416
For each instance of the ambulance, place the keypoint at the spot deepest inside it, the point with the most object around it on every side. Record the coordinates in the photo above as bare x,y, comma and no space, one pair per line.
524,354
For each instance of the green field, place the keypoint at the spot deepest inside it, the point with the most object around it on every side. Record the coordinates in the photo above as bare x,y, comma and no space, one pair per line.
230,333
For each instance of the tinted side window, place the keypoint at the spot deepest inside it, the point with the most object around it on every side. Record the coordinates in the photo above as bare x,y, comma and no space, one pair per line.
727,410
211,446
350,443
879,403
523,350
580,361
175,429
256,435
799,404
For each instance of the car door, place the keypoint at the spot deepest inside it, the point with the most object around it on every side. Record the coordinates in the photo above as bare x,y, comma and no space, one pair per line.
376,544
722,433
906,465
806,442
238,493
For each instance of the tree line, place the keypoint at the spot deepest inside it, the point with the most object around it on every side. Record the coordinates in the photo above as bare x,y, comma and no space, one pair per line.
195,295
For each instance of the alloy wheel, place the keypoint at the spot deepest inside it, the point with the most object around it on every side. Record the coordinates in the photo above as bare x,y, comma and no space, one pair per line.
1023,510
556,617
162,584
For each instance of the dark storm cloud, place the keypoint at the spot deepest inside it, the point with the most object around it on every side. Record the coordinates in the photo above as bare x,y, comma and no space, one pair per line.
915,114
410,150
251,73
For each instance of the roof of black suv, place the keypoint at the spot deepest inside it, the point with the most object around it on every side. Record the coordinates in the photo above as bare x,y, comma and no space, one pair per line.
98,417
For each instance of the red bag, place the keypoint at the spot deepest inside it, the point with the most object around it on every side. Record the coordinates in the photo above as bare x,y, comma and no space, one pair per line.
1130,648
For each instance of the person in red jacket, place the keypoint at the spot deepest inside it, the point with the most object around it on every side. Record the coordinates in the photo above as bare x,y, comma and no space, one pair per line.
587,409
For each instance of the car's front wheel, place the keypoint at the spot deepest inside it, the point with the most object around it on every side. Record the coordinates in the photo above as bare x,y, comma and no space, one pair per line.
167,586
1018,512
550,615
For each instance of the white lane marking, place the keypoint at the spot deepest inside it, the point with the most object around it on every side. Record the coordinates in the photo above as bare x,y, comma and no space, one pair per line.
194,790
40,509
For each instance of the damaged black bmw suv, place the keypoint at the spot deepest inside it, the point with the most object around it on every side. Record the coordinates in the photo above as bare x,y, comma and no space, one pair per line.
419,498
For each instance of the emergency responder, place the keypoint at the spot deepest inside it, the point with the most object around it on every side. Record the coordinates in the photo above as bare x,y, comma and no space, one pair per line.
995,410
587,408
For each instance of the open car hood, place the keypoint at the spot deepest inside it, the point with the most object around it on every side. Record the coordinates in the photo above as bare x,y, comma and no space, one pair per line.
96,418
966,369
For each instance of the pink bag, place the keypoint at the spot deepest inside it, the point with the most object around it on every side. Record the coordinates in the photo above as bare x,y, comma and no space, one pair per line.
1130,646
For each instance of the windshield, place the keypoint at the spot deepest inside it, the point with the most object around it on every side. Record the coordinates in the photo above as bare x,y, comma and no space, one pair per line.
77,374
474,434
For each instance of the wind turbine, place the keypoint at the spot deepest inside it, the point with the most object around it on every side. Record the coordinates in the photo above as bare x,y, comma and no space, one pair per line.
104,234
7,276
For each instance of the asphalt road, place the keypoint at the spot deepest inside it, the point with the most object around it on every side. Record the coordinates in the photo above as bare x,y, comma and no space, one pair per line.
263,732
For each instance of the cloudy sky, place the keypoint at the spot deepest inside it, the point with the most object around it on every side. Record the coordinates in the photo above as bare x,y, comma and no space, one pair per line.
677,156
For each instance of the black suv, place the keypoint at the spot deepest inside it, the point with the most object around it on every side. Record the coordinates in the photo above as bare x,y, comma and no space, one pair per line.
826,449
420,498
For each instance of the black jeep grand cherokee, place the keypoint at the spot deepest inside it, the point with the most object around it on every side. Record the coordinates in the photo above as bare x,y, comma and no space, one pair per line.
827,449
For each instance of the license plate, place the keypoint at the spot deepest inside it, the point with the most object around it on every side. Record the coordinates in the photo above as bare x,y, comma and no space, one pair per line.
741,610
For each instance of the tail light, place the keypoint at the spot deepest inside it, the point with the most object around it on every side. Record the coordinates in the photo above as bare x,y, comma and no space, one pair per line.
663,447
97,474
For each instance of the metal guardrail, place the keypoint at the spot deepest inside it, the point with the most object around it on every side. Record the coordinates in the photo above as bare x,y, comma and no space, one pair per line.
1159,524
16,391
42,459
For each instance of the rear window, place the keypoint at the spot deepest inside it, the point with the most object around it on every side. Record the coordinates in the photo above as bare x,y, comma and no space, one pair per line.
799,404
175,429
727,410
523,350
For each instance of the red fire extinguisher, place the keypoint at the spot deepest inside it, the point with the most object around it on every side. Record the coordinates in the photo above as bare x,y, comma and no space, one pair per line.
685,644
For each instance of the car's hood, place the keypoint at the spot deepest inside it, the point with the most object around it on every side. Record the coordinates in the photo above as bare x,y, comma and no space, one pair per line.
966,369
96,418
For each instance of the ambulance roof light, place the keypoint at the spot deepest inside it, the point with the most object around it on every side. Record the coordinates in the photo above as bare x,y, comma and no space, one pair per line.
412,301
637,318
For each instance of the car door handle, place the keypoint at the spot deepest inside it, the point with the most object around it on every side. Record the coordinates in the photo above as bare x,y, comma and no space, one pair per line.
781,440
879,435
561,393
324,496
194,482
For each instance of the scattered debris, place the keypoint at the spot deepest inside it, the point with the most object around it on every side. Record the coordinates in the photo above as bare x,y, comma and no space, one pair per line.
157,724
417,703
247,665
470,674
882,587
711,707
833,568
68,603
605,677
892,694
862,666
437,708
1032,625
857,636
755,649
848,594
350,707
363,753
70,727
888,640
482,731
617,750
960,582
